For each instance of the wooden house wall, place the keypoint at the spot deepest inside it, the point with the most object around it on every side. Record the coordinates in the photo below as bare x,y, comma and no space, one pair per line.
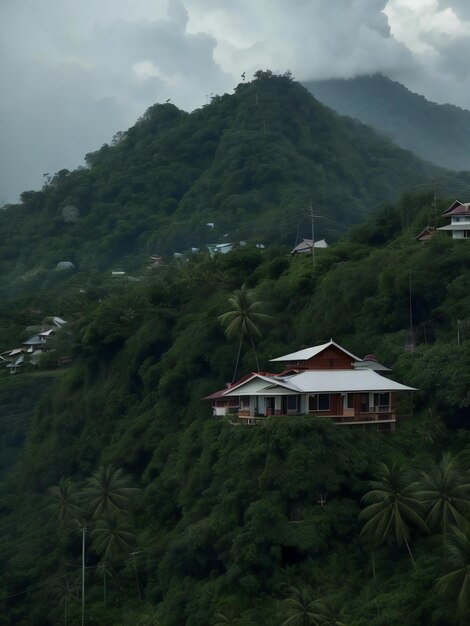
329,359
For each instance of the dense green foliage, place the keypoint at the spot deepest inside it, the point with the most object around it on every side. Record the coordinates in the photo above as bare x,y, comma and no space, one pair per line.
187,519
439,133
239,525
249,163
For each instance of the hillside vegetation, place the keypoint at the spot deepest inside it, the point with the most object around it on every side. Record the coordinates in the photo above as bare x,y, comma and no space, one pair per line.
237,525
249,164
439,133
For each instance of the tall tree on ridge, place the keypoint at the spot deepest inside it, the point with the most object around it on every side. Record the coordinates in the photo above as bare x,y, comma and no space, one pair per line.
243,320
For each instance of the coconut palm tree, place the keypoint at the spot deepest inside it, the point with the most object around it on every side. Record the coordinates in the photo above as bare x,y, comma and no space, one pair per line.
65,502
112,537
432,429
107,492
457,582
446,494
67,590
303,608
243,320
104,569
392,505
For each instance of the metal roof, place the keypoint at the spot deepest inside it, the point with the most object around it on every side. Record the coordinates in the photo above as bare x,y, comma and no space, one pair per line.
457,226
335,381
322,381
308,353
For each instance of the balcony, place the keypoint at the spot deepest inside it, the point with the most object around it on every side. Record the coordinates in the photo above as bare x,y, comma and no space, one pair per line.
375,414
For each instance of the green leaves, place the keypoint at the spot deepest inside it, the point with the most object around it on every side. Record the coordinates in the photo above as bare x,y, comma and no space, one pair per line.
456,583
445,492
108,492
392,506
245,315
112,537
66,503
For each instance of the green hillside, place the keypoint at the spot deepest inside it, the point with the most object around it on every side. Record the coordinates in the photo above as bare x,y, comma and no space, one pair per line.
239,525
249,163
439,133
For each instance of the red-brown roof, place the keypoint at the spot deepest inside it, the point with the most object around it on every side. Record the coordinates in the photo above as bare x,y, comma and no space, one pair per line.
454,205
426,234
461,209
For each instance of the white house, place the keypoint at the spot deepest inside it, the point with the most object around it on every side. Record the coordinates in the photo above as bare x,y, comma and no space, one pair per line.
324,380
458,215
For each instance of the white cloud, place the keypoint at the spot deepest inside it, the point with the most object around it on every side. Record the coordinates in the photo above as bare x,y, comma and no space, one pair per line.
73,73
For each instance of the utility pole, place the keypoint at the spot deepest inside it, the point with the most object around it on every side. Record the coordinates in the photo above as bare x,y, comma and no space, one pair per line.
82,527
312,221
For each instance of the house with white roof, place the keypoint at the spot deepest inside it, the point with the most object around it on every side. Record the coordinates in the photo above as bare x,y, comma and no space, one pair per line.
325,380
306,245
458,215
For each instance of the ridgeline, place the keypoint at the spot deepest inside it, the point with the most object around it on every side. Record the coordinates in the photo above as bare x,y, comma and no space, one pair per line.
244,167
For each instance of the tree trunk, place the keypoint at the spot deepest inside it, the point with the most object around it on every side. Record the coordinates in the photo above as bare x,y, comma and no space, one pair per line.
254,350
409,551
238,359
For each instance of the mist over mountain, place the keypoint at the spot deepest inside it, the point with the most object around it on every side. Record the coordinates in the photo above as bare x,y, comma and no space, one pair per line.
439,133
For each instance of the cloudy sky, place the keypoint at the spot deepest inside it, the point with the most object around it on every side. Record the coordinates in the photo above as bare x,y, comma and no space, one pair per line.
73,72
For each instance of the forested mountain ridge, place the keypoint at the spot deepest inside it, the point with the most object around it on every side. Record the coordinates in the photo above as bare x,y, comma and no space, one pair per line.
439,133
249,163
237,525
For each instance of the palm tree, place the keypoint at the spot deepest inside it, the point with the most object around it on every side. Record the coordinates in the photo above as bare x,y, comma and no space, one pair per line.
303,608
445,493
243,320
66,501
391,505
103,568
457,582
112,537
108,492
66,589
432,429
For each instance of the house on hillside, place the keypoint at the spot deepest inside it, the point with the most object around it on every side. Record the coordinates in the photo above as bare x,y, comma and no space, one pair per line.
325,380
458,216
425,235
305,246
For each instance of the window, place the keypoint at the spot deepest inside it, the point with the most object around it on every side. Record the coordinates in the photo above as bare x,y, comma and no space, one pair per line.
381,399
319,402
292,403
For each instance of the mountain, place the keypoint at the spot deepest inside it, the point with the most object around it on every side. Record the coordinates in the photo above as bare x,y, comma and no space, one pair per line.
439,133
249,164
237,524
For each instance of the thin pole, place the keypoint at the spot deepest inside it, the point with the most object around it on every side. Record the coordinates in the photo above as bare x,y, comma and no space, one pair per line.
313,236
411,309
83,574
312,218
